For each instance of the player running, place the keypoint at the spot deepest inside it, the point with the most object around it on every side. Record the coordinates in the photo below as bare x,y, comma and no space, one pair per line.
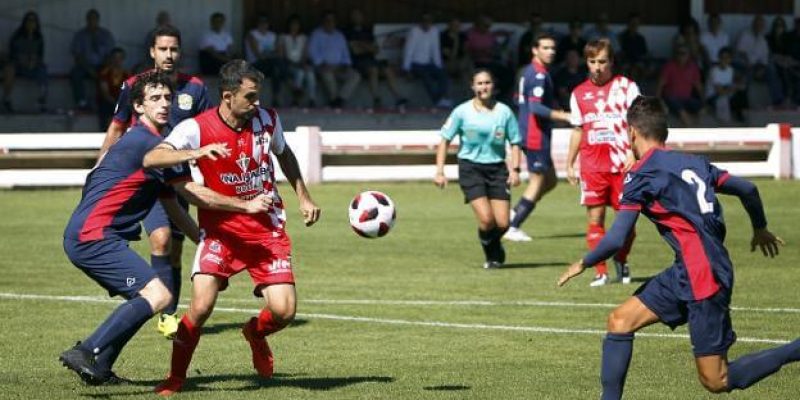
537,97
190,98
599,104
678,193
117,195
234,241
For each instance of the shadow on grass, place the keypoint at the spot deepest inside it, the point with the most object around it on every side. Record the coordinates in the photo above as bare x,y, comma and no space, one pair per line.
446,388
219,328
561,236
533,265
250,383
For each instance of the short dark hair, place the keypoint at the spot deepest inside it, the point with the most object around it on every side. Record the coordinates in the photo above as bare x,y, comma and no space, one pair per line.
166,30
594,47
725,50
216,15
648,116
150,78
234,72
543,36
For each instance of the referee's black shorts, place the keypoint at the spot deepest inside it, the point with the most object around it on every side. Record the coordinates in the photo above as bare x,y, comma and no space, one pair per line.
483,180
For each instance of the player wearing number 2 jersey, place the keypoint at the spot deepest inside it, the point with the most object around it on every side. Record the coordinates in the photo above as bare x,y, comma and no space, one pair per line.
678,193
600,104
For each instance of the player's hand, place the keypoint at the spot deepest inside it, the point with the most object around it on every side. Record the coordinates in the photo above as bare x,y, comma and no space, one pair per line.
440,180
513,179
259,204
572,271
765,240
571,176
213,151
310,212
630,160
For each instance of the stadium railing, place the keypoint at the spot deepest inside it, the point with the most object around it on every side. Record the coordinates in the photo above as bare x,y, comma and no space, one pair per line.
64,159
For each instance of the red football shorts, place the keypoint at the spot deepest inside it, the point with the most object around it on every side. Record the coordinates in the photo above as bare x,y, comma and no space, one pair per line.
601,188
268,260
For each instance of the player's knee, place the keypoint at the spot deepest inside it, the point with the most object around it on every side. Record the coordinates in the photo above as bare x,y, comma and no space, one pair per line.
160,241
283,313
157,294
618,323
714,384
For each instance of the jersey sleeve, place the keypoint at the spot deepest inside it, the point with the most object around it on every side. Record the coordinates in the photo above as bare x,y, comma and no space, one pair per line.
123,109
278,143
636,192
203,102
452,126
512,129
185,136
575,117
717,176
632,93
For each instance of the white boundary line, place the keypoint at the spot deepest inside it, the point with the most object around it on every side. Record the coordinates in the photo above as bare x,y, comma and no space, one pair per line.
533,329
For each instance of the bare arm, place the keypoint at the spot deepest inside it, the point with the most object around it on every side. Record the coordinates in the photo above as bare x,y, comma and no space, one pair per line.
164,155
181,218
513,175
204,197
113,133
441,154
572,154
291,170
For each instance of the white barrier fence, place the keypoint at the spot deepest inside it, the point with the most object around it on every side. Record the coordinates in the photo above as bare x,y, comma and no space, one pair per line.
310,144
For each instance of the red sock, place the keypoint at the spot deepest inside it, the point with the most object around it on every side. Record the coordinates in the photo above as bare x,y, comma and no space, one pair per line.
266,323
595,233
183,347
622,254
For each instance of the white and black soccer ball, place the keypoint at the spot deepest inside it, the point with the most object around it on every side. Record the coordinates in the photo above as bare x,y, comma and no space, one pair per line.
372,214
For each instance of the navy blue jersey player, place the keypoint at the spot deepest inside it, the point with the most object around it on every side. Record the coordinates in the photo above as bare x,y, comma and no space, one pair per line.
189,99
677,192
117,195
536,102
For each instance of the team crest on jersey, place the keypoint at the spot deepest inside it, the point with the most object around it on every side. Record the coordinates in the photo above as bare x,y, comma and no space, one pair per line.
538,91
214,247
588,96
185,101
243,161
499,132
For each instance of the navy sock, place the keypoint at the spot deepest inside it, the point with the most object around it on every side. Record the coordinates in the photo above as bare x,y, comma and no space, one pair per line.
176,291
745,371
486,238
164,271
491,243
108,356
125,320
522,210
617,351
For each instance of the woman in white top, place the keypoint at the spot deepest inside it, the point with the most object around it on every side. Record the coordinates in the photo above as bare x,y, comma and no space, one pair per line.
261,50
292,48
724,90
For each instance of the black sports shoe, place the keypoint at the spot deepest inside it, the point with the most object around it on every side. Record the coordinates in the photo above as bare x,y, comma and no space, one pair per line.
82,363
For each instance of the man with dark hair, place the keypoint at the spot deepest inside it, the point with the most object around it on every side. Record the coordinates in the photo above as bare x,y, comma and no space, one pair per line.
537,111
117,195
235,242
677,191
190,97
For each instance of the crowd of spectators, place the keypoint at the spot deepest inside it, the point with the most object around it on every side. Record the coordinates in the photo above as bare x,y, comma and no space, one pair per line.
707,72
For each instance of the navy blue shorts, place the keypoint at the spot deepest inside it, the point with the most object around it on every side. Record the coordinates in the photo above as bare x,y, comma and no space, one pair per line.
112,264
157,218
539,161
710,328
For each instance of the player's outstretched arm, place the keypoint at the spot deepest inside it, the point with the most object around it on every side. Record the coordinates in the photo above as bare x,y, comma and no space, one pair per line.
624,223
747,192
181,218
113,133
204,197
441,154
164,155
287,160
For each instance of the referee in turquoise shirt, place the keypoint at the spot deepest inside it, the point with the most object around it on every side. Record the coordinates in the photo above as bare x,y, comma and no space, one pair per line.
484,127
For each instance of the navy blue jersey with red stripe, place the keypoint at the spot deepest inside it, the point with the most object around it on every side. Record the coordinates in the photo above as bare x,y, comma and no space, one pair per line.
535,89
677,192
119,192
189,99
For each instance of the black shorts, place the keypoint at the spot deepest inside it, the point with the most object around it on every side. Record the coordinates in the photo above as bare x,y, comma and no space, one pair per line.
483,180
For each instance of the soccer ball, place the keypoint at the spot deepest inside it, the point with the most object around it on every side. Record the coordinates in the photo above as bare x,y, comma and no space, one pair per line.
372,214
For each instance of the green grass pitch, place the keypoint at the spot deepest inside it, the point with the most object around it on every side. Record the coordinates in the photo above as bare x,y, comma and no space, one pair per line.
408,316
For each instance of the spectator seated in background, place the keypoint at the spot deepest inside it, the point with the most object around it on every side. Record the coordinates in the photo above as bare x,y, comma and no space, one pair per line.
483,49
680,86
714,39
422,57
689,36
601,30
725,90
293,47
526,40
573,41
327,49
779,42
216,46
363,51
794,58
454,57
752,57
90,48
109,86
634,57
568,76
26,59
261,50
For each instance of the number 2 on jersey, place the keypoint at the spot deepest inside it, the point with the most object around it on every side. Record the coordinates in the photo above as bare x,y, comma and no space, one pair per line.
691,178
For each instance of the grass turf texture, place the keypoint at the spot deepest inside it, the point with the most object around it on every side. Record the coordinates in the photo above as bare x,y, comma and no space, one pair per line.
486,350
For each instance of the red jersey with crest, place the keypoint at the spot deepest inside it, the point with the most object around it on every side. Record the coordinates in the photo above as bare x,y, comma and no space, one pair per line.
602,111
246,173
